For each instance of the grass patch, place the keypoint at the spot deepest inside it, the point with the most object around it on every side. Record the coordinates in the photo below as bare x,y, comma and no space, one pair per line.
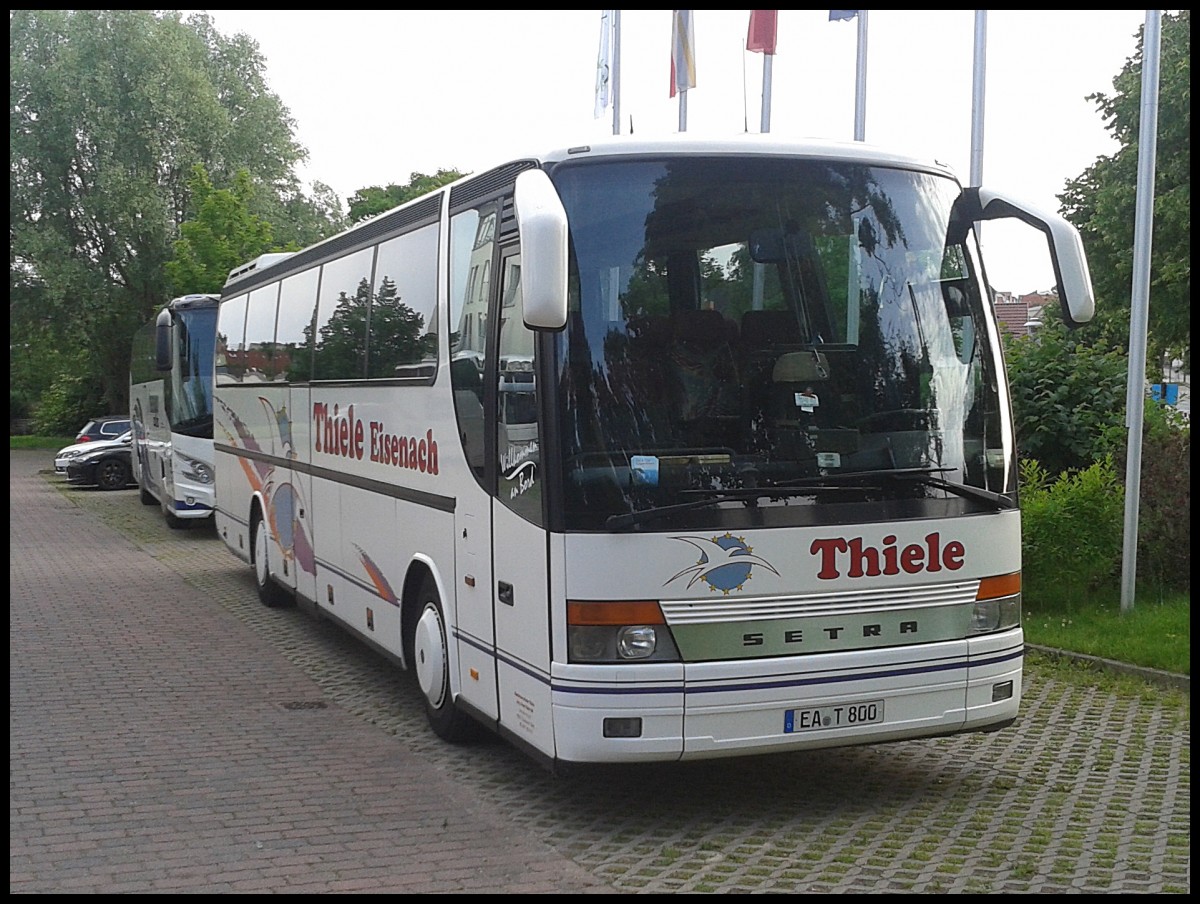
49,443
1155,633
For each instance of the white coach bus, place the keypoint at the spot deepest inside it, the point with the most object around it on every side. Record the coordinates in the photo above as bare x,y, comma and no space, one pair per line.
171,409
649,450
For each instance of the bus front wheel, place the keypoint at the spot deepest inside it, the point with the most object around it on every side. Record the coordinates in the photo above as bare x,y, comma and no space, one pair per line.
174,521
270,593
431,665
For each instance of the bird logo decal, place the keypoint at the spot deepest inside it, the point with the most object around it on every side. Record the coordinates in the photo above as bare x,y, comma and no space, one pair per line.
725,563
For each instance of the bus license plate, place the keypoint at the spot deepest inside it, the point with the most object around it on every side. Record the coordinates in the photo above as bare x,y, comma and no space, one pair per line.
833,715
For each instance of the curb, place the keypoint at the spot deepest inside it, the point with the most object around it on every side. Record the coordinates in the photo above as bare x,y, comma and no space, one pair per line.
1153,676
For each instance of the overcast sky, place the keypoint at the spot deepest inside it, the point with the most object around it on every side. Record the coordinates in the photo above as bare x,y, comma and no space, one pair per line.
377,96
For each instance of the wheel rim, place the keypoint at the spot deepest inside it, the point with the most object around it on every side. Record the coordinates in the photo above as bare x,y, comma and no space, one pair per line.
260,554
110,473
429,651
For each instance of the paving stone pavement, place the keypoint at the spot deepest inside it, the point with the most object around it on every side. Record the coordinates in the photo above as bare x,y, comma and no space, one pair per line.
157,745
168,733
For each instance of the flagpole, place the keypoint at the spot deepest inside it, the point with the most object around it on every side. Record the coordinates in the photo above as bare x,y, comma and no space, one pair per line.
860,80
765,124
1139,308
683,60
616,72
977,98
761,38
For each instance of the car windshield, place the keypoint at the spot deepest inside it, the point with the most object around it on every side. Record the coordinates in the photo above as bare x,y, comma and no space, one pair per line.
734,327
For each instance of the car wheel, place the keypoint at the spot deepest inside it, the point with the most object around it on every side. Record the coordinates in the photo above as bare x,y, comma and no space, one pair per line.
144,494
270,593
174,521
112,474
431,665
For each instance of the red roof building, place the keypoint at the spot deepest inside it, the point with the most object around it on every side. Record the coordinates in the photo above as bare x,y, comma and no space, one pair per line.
1021,315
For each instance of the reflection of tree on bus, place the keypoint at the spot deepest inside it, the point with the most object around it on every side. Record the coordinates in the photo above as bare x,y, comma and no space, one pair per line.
397,335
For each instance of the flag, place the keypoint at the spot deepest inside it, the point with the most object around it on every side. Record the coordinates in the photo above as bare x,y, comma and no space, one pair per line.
761,37
604,63
843,15
683,51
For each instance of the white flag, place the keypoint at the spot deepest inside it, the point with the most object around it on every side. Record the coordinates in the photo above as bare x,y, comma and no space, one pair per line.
683,52
604,63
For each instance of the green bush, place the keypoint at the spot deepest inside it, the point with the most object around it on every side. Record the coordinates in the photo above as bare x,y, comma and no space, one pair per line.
1164,500
1068,398
1071,526
66,405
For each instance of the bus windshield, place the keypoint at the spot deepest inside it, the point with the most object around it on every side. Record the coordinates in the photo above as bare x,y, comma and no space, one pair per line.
191,395
772,334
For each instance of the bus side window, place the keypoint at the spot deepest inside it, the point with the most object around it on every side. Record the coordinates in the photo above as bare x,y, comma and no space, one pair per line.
340,340
293,333
403,333
231,341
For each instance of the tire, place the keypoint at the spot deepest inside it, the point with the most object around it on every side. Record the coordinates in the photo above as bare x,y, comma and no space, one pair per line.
112,474
174,521
145,496
269,593
431,667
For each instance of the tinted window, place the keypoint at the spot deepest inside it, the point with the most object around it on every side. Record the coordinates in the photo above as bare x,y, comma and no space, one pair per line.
231,340
403,321
260,333
293,331
340,347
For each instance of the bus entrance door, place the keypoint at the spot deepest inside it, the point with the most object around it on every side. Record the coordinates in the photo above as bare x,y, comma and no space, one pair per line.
519,540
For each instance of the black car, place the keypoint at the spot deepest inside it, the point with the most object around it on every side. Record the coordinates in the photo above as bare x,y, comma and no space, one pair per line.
108,468
108,427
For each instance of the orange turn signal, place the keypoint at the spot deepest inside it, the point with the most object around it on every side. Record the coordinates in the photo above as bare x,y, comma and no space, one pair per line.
623,612
999,585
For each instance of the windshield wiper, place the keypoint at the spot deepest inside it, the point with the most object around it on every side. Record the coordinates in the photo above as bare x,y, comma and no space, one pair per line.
712,497
924,476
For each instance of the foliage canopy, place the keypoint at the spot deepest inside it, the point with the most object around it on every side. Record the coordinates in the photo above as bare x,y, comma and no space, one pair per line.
1102,201
110,112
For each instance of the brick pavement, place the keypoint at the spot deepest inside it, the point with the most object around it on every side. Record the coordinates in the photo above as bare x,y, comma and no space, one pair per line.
156,744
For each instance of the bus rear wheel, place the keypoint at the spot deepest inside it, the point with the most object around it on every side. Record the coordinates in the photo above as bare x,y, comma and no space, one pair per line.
431,665
270,593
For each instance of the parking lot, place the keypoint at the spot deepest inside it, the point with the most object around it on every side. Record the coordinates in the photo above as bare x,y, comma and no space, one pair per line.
168,733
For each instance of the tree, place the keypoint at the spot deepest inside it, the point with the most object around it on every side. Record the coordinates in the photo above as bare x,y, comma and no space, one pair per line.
109,112
367,202
222,235
1068,398
1102,201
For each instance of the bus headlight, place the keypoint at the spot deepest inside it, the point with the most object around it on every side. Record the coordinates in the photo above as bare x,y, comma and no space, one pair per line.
636,641
192,469
618,631
997,604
